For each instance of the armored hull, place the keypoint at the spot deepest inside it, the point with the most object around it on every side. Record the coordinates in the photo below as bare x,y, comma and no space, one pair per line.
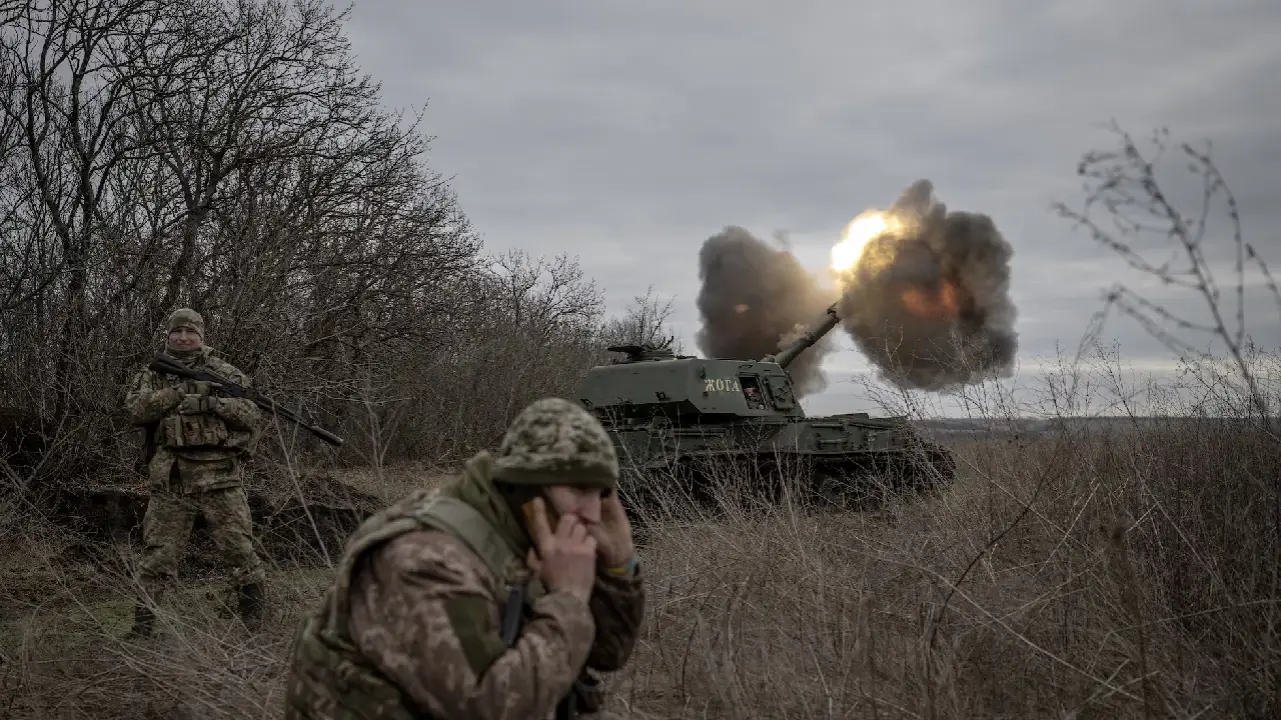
695,425
846,460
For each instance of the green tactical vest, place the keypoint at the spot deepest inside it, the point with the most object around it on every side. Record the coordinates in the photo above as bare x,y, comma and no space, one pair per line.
329,680
204,433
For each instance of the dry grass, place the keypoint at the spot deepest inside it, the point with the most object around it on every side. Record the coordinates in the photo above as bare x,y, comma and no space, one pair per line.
1086,572
391,483
1119,594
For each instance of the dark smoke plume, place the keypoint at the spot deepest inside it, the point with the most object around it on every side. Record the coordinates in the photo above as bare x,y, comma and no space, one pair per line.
928,300
754,300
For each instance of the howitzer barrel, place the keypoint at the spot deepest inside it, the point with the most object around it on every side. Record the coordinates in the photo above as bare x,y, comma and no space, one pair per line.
811,336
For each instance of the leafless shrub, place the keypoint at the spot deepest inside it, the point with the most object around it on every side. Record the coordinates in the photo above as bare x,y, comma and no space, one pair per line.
1138,205
644,324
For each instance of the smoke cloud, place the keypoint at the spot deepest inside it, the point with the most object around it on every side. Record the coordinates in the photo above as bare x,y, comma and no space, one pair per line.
755,299
928,299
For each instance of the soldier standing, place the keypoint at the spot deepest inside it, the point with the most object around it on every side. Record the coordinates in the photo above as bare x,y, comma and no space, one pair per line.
466,603
200,440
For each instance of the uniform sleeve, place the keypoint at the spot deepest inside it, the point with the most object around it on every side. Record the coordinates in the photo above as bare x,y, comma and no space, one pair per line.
147,400
238,413
422,613
618,606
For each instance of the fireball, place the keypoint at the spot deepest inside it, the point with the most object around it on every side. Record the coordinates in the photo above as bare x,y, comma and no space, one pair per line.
855,237
940,305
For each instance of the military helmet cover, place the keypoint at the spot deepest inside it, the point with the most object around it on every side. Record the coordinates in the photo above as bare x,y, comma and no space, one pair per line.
186,317
556,442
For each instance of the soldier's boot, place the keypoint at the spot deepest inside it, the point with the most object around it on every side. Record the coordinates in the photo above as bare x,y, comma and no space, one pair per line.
144,622
251,603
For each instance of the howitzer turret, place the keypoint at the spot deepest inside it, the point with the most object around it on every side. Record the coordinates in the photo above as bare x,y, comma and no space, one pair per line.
691,418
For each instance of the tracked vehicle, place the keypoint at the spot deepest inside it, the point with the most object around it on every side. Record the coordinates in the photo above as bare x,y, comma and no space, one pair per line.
697,423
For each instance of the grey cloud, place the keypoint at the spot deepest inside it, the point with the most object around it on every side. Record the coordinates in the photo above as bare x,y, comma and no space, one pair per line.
629,133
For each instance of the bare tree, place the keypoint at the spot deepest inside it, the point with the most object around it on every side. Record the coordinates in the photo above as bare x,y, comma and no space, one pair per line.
644,323
1136,204
544,294
262,82
68,101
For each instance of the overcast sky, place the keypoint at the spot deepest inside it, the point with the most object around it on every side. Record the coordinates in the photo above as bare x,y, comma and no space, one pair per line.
628,133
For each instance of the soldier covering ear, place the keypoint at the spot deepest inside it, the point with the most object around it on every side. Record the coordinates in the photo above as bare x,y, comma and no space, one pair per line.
412,626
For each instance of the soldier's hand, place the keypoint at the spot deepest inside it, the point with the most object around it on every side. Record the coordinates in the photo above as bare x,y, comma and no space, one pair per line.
567,558
167,398
196,404
614,533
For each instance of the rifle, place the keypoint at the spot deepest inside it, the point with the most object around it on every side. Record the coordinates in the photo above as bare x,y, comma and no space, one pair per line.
162,363
512,614
585,693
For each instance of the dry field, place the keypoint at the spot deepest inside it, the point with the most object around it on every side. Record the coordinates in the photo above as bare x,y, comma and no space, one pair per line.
1073,574
1083,570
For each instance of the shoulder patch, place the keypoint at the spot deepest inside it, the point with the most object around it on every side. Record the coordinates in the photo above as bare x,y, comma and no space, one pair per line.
480,641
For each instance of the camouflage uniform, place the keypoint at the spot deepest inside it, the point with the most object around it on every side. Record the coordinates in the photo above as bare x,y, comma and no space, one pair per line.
200,440
411,625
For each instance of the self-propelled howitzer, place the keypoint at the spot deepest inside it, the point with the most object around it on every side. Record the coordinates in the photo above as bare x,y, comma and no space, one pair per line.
696,421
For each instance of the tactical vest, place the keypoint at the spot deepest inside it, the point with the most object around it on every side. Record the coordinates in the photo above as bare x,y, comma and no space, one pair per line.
203,431
330,679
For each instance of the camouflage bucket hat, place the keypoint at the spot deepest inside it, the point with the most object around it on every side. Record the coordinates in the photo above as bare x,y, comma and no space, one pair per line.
186,317
556,442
